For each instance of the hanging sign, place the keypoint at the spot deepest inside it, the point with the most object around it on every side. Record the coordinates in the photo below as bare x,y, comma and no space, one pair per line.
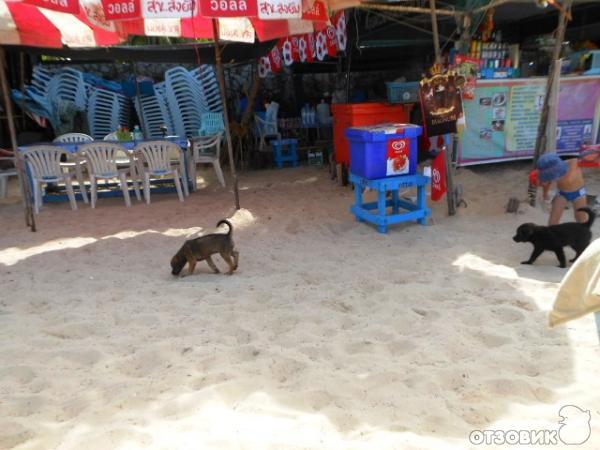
279,9
332,42
311,53
275,58
303,48
441,102
321,45
162,27
95,14
264,66
121,9
339,22
318,12
155,9
286,51
236,29
67,6
228,8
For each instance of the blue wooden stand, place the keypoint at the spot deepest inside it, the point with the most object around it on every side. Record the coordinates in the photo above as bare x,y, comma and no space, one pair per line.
381,218
285,150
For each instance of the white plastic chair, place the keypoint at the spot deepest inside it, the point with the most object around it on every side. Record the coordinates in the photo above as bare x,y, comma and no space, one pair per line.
43,162
206,150
73,160
267,127
4,174
103,159
154,159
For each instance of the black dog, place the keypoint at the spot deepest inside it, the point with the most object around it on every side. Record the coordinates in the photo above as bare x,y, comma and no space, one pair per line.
555,237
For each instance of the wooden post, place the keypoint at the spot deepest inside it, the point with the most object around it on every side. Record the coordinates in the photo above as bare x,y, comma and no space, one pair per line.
221,77
540,142
22,85
139,99
450,197
19,165
436,35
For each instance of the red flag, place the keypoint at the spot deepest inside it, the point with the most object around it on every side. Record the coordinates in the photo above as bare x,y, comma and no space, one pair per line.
311,52
332,42
318,11
67,6
438,177
295,40
275,58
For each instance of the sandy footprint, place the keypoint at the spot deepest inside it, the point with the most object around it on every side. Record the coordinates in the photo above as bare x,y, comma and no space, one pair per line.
401,347
78,330
493,340
13,434
509,315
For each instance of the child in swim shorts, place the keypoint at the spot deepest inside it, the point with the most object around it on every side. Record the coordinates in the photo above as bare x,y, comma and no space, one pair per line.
569,181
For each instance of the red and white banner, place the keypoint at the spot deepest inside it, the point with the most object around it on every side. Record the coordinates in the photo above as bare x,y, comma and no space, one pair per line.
311,53
275,59
66,6
228,8
264,66
332,42
339,22
168,9
285,47
121,9
236,29
318,11
24,24
438,177
279,9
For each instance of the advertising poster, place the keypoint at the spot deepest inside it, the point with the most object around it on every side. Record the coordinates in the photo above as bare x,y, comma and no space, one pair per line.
503,118
441,101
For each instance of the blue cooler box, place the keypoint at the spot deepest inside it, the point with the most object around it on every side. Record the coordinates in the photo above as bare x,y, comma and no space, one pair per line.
383,150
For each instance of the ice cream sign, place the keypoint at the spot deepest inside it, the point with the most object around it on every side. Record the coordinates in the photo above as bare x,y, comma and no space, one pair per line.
398,156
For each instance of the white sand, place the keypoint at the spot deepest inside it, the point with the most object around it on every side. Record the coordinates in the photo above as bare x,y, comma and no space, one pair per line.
329,336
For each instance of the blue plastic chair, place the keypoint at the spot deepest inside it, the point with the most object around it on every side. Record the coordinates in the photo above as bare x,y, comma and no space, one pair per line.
212,123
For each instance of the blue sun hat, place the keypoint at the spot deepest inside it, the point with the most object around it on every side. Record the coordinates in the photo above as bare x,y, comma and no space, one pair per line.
551,167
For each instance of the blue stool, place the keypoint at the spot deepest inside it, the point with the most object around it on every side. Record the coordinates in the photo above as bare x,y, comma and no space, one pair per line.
380,217
285,150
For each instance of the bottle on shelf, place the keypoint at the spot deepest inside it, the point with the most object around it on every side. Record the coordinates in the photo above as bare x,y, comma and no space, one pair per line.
137,133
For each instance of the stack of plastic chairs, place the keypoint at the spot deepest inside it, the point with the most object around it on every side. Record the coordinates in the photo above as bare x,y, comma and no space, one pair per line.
40,79
153,112
68,85
106,112
206,76
186,101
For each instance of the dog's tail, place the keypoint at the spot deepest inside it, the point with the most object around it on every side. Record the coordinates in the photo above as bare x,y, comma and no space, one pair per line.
591,216
228,223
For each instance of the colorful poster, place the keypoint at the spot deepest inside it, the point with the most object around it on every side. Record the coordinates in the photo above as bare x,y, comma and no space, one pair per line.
503,118
486,122
441,101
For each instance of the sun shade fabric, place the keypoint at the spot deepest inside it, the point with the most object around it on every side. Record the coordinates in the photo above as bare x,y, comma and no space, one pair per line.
25,24
35,26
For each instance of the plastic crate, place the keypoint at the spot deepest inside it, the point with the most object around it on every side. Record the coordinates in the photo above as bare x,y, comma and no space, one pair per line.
403,92
383,150
347,115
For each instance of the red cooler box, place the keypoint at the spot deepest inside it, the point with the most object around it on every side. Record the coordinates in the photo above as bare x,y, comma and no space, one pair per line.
384,150
347,115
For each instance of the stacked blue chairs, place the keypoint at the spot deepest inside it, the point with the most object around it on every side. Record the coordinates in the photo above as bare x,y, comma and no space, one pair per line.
205,75
68,85
186,101
154,114
107,111
40,79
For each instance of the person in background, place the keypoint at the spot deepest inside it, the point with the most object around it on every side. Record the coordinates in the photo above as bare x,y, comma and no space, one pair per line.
569,181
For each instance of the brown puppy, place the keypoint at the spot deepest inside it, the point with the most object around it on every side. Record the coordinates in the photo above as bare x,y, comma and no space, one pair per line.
203,248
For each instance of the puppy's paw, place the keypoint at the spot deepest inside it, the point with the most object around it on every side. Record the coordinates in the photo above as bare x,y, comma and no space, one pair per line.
216,271
526,262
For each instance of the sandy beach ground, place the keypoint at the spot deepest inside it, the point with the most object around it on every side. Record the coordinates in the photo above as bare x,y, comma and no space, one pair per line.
329,336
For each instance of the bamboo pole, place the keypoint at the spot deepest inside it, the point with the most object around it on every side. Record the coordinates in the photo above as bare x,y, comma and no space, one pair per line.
541,141
221,77
19,165
407,9
436,36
